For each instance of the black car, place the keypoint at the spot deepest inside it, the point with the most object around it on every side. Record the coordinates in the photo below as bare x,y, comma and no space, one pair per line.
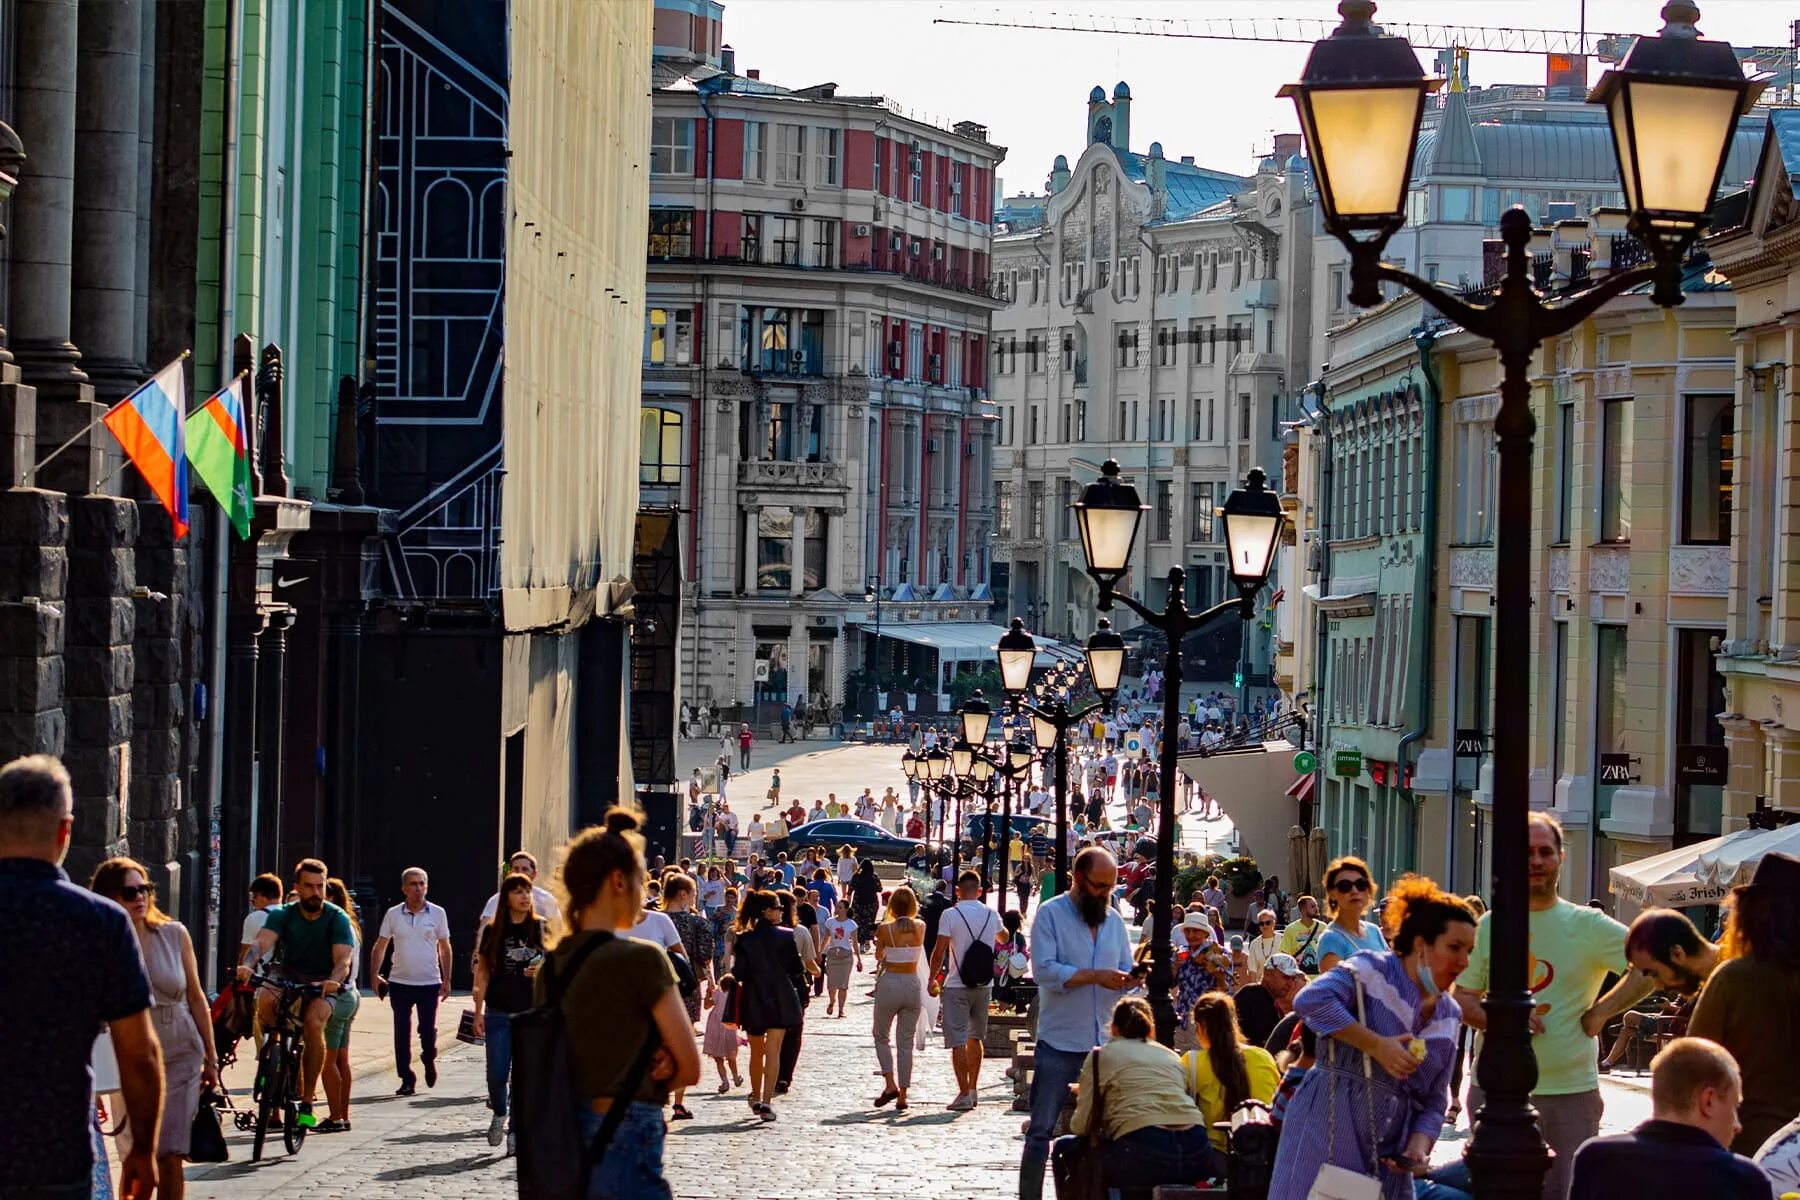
868,839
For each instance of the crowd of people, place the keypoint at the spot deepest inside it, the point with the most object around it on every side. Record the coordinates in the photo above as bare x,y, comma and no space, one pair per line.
1344,1029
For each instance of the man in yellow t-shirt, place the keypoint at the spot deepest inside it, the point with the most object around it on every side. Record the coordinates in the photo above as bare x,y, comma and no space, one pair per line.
1573,949
1301,939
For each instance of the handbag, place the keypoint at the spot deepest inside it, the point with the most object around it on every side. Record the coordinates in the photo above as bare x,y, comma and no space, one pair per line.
1341,1183
1080,1172
206,1139
465,1029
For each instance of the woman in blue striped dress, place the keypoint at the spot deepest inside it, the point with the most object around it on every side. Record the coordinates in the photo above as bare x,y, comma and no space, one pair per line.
1386,1124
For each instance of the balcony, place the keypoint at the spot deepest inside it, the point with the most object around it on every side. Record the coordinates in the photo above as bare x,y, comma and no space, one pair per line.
919,270
764,473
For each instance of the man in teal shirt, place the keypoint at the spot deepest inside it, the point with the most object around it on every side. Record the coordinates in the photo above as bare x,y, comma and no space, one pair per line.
1573,949
310,940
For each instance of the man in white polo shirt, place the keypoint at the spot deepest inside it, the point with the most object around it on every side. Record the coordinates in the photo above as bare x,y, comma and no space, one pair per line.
419,977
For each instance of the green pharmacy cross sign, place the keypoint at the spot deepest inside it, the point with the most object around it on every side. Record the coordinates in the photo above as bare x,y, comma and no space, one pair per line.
1346,763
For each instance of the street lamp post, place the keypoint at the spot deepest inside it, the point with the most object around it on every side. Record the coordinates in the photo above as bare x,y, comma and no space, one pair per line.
872,595
1673,104
1108,513
1052,717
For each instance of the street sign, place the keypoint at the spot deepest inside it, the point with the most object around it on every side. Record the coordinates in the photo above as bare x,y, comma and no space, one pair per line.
1700,764
1346,763
1237,679
1470,743
1305,763
1615,769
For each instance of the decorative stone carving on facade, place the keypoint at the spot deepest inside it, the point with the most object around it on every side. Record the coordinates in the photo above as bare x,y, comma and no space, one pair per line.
791,474
1472,567
1609,570
1699,570
1612,380
1559,570
732,385
1178,456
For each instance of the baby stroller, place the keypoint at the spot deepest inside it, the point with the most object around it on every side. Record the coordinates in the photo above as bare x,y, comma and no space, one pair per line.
234,1020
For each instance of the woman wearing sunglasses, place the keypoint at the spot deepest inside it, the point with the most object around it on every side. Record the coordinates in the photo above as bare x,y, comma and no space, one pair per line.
1349,891
178,1010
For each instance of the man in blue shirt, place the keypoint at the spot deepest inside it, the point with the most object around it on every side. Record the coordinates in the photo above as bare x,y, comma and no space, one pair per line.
72,962
1081,959
1682,1150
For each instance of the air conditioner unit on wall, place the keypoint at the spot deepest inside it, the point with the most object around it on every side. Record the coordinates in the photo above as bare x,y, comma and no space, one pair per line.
937,254
859,231
916,248
799,203
895,243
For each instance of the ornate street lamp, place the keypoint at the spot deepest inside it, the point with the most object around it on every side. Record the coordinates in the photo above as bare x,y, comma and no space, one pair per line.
1016,652
962,756
1108,511
976,717
1105,659
936,761
909,763
1673,105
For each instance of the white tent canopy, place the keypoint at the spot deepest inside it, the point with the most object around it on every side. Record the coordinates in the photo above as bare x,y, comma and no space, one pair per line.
1703,873
968,641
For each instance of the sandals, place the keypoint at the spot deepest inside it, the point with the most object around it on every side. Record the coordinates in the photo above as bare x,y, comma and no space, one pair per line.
900,1105
332,1125
888,1096
680,1112
724,1087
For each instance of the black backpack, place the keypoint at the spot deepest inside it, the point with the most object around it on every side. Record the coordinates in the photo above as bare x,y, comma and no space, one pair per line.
553,1161
977,966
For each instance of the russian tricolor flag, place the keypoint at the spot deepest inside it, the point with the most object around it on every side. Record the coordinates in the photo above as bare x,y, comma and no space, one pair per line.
151,425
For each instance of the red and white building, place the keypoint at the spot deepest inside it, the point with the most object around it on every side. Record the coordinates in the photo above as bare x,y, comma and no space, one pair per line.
815,374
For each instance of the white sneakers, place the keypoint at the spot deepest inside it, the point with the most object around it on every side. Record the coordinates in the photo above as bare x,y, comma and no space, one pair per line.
964,1102
496,1130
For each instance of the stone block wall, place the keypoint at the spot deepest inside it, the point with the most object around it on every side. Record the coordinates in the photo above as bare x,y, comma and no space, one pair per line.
34,571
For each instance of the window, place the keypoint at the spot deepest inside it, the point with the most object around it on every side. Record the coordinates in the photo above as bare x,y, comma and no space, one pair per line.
1165,510
1003,507
775,549
1165,340
1471,673
671,145
1456,204
1612,706
1237,268
825,160
751,250
790,153
784,233
812,543
756,150
1244,410
1699,699
1127,336
1203,430
1565,469
959,177
1337,291
659,446
671,233
1035,498
1706,471
915,350
916,191
1034,358
670,340
1203,514
782,341
825,243
1615,470
1212,271
1475,480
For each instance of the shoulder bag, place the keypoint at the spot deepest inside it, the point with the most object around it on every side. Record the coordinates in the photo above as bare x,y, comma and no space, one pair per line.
206,1138
553,1161
1080,1172
1341,1183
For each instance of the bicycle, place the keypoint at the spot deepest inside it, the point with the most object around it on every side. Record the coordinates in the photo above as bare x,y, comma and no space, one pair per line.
278,1067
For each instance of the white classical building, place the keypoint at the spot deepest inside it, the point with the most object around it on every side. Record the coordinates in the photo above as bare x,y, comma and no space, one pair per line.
815,358
1160,317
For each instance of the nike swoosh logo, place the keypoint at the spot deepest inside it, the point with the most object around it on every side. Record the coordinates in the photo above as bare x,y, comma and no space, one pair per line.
281,583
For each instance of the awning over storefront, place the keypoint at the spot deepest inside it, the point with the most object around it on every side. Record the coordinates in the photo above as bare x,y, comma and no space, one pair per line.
1244,783
1703,873
967,641
1302,788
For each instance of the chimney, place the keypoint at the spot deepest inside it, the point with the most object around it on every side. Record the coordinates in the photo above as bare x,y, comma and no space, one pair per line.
1121,130
1187,160
1156,171
1567,237
753,73
1609,225
1287,145
728,60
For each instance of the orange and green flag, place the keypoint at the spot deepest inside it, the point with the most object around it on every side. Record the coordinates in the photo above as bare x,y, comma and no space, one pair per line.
218,448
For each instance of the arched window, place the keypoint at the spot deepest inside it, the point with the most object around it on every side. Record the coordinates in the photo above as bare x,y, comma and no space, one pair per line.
447,220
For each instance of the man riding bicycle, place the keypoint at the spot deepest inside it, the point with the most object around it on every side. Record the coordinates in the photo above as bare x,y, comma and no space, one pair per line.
310,942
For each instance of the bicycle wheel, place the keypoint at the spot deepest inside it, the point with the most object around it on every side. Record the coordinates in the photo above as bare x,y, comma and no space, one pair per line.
293,1133
271,1067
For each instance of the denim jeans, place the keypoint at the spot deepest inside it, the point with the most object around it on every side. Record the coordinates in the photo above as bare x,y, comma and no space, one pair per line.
499,1058
632,1168
1055,1071
1449,1182
405,997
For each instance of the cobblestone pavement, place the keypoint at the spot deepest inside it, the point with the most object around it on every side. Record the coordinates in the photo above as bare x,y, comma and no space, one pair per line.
827,1142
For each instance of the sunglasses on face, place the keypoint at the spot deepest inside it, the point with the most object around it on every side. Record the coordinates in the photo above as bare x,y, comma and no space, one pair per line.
131,894
1344,887
1265,922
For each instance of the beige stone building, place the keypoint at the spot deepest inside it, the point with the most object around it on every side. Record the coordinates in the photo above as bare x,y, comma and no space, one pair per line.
1760,654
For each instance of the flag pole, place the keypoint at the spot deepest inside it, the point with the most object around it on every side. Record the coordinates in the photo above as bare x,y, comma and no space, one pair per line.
31,478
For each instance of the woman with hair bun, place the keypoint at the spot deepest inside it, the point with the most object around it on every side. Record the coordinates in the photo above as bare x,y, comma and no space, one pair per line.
1384,1013
620,995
